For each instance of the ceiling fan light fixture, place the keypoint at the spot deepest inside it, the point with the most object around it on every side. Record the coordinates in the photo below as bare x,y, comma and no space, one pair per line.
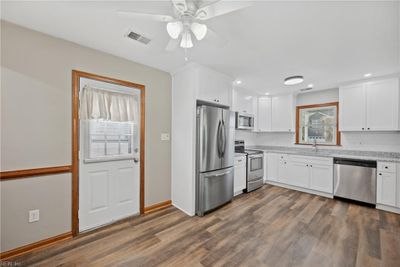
293,80
186,41
199,30
174,29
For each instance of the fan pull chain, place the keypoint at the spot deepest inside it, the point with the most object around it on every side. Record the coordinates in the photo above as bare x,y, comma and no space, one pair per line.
186,57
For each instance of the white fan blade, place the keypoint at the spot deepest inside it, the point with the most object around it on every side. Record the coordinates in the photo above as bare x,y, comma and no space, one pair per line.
180,5
220,8
145,16
172,45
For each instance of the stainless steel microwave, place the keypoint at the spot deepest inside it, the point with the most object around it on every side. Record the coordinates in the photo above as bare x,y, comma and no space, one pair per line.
244,121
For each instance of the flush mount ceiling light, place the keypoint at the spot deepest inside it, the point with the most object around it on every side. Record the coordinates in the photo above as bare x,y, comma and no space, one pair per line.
366,75
310,85
293,80
238,82
266,93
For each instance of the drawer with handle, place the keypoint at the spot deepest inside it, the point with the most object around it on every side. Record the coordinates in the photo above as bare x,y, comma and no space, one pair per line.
241,160
386,167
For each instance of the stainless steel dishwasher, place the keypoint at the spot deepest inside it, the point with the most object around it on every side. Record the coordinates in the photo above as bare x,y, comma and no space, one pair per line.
355,179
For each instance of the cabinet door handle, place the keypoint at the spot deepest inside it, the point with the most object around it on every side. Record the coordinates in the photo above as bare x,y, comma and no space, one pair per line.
386,167
362,128
307,165
368,128
380,174
311,166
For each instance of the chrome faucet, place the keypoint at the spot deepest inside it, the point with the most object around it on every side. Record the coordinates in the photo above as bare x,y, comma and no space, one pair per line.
314,145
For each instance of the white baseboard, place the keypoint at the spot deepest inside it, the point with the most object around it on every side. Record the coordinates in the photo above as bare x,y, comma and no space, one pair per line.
184,211
388,208
305,190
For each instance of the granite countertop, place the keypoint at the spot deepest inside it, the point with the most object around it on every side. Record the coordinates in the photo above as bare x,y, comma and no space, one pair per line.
332,153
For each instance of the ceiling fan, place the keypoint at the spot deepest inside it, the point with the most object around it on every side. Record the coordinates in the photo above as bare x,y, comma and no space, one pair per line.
187,19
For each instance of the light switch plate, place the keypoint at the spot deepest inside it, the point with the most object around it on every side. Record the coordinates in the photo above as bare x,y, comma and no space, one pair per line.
164,136
33,216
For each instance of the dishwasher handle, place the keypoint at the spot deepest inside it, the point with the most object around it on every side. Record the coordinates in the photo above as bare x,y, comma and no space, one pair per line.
355,162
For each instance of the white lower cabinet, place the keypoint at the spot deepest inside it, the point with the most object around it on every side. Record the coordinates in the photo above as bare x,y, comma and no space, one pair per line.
299,174
321,178
283,171
239,178
310,173
388,185
272,164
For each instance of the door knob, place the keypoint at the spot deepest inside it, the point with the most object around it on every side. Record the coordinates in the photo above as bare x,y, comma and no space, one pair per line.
136,160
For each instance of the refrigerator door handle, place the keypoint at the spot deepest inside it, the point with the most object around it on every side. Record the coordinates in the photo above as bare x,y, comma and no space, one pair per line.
219,140
224,139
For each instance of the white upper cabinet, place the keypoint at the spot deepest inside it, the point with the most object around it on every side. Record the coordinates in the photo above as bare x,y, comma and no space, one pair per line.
352,115
243,101
275,114
282,113
214,86
370,106
383,105
264,114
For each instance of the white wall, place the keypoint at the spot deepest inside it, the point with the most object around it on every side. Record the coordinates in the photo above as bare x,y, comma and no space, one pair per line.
368,141
36,71
183,140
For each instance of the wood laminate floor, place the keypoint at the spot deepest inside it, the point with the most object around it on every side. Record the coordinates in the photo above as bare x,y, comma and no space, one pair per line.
272,226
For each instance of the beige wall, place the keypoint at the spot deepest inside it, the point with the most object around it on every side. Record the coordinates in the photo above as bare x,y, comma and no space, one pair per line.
36,127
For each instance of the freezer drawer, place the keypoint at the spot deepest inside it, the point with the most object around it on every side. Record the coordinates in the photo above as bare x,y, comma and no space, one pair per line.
215,189
355,180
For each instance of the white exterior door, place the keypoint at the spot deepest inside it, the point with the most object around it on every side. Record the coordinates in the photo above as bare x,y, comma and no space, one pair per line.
107,192
109,168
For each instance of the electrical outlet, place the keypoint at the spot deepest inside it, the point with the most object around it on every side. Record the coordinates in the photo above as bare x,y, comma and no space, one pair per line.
164,136
33,216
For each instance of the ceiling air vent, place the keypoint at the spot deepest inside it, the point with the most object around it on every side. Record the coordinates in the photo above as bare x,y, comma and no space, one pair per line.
305,89
138,37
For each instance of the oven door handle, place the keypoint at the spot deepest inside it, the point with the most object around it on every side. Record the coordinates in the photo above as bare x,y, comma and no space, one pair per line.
256,156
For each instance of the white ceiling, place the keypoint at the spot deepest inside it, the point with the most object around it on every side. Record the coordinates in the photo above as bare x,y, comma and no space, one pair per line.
329,42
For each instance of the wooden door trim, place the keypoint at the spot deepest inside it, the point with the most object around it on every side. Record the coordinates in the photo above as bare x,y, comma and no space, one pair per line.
10,254
18,174
76,75
158,206
298,108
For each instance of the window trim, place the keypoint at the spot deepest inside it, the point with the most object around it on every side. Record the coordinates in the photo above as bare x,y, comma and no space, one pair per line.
329,104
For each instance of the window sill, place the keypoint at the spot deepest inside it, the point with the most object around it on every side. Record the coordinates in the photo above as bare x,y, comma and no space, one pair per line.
106,159
300,144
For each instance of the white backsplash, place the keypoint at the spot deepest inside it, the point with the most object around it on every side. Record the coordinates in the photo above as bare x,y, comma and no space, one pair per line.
378,141
367,141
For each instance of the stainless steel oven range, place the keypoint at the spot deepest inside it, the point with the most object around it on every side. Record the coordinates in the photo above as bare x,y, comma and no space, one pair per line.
255,165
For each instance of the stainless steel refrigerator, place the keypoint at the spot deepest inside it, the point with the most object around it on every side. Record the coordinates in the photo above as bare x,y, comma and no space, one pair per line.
215,157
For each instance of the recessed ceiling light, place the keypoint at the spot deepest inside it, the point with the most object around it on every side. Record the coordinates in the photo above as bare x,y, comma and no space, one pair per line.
310,85
366,75
238,82
293,80
266,93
